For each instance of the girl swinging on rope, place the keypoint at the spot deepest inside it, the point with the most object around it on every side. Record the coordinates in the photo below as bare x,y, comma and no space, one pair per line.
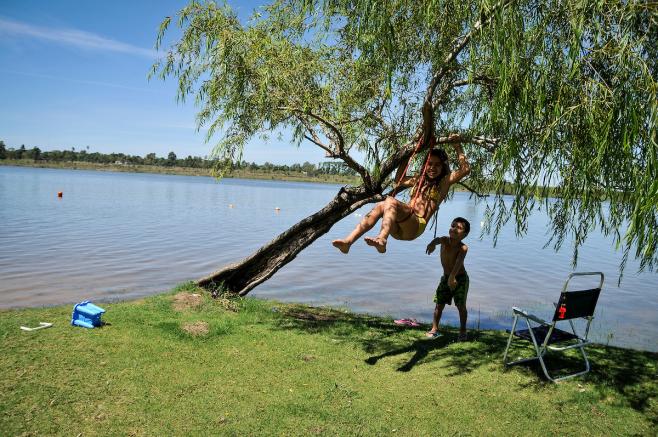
407,221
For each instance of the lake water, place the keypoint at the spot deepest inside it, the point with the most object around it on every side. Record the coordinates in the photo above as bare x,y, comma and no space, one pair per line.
116,236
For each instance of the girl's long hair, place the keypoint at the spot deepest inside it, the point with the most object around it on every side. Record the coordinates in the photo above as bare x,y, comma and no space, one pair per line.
445,171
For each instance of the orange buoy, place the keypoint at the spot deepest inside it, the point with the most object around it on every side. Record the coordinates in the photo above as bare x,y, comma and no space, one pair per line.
60,194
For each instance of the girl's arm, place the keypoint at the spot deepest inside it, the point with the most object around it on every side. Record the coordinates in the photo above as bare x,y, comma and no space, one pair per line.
400,176
464,167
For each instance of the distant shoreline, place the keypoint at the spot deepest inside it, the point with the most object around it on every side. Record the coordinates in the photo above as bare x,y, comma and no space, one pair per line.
290,176
184,171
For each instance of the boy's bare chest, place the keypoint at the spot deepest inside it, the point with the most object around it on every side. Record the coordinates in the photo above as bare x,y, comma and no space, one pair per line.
448,255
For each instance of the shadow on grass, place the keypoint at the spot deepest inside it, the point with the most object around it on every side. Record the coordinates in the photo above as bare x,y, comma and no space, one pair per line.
630,373
470,355
381,338
633,374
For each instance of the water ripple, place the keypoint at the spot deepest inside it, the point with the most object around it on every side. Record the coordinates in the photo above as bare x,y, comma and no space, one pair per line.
120,236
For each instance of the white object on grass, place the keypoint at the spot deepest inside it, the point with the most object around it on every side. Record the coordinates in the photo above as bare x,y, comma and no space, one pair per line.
42,325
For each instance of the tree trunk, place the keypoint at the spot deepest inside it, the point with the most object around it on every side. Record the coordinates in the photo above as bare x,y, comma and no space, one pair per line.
242,277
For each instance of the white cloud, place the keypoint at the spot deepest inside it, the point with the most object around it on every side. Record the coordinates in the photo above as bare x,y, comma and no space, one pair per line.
80,81
72,37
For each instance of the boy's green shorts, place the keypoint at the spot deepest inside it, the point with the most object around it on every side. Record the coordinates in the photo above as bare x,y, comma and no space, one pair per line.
444,295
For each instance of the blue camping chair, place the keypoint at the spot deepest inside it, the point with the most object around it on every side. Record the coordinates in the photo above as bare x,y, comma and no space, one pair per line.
544,336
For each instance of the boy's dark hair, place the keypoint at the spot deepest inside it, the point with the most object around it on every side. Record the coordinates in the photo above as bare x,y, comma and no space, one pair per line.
467,225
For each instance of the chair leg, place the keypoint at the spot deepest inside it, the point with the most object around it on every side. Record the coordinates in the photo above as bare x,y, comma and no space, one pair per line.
509,340
539,351
573,375
543,366
582,349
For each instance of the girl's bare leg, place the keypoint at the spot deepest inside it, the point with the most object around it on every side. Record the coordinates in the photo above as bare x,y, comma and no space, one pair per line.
392,210
364,226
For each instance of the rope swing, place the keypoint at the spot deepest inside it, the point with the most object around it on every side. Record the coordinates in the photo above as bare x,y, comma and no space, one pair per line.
421,179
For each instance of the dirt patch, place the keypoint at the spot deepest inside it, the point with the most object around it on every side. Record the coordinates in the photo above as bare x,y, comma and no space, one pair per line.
187,301
228,304
196,328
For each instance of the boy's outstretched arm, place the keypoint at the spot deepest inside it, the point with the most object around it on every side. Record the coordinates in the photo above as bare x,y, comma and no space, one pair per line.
464,167
432,245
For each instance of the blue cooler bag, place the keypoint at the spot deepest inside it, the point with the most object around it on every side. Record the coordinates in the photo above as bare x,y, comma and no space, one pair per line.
87,315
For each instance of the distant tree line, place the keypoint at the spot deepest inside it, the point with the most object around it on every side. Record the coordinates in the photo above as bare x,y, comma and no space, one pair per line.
83,155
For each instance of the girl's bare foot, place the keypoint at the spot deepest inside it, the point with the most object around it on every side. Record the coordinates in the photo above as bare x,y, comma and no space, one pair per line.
377,243
341,245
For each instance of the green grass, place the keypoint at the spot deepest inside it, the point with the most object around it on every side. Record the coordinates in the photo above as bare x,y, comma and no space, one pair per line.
266,368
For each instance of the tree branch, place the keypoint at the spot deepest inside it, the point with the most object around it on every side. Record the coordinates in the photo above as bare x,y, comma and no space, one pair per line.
472,190
403,154
442,97
489,144
427,127
484,80
438,76
329,152
340,153
314,138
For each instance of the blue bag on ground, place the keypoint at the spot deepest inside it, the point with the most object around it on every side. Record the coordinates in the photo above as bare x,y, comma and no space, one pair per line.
87,315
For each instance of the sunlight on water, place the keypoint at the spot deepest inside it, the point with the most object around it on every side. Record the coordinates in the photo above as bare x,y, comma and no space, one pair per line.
119,236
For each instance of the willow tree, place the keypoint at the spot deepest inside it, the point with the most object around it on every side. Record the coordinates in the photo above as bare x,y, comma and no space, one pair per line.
558,94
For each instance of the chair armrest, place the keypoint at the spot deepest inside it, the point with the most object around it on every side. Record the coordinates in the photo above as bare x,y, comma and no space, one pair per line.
529,316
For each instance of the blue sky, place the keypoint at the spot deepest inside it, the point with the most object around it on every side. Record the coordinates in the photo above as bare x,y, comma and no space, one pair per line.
73,73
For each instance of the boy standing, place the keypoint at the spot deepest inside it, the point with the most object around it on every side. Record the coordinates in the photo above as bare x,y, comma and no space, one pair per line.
454,282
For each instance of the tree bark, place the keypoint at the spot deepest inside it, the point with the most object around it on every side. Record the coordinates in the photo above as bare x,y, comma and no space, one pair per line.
240,278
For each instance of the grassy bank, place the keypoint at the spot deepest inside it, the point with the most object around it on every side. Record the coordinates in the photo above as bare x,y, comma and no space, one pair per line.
186,171
184,364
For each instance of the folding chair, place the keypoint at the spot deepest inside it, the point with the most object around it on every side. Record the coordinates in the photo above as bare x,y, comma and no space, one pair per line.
545,336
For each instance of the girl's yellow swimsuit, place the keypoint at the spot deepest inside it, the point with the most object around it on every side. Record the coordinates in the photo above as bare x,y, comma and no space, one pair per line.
422,223
432,195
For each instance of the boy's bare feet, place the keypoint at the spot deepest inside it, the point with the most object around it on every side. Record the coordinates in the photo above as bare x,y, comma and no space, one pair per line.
377,243
341,245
